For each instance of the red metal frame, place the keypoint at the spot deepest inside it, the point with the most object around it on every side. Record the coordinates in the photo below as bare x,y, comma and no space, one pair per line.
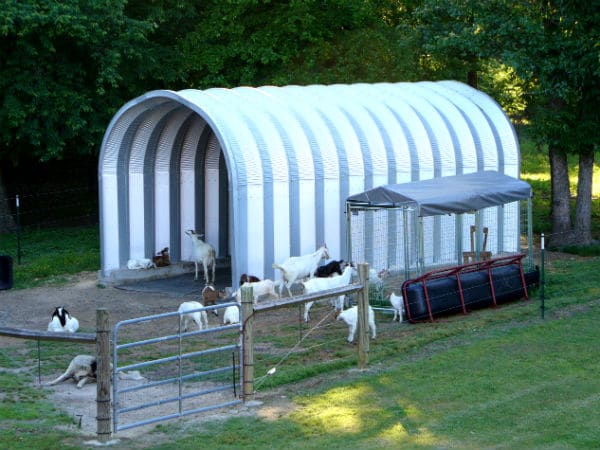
457,271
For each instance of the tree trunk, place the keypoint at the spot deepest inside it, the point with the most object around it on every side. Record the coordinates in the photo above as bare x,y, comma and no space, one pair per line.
583,206
7,221
472,78
562,231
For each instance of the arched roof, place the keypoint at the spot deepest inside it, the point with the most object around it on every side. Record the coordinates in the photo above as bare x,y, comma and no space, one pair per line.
264,172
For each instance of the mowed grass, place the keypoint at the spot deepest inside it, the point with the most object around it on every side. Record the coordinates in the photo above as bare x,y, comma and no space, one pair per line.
496,378
530,384
51,256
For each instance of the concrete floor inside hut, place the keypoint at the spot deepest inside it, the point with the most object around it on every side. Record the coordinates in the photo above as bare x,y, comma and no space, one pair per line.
180,285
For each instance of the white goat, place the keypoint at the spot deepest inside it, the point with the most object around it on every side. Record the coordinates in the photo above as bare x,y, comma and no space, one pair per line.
259,288
398,304
82,369
231,315
62,321
142,263
350,316
320,284
298,267
203,253
189,311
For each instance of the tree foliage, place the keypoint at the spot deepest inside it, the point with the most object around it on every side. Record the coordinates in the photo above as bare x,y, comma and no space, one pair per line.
62,74
553,47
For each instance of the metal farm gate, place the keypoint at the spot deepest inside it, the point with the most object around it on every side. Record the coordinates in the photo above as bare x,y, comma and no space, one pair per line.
162,372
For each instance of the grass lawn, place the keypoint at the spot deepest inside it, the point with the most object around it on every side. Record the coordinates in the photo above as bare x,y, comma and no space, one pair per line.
517,384
497,378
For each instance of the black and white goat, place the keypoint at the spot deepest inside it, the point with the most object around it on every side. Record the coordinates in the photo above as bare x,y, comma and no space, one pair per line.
332,267
245,278
62,321
321,284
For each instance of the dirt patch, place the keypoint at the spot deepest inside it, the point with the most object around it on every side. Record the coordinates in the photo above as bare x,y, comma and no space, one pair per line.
31,309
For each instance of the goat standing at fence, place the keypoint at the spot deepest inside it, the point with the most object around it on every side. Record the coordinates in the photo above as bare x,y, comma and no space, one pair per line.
350,316
397,302
62,321
82,369
231,315
245,278
321,284
210,295
297,267
192,311
259,288
203,253
332,267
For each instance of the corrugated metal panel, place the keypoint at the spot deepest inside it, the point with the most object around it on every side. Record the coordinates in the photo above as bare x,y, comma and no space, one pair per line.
293,154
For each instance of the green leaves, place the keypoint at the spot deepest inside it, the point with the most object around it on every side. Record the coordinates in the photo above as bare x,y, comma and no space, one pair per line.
61,74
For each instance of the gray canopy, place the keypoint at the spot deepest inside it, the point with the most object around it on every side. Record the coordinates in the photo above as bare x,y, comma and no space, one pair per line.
447,195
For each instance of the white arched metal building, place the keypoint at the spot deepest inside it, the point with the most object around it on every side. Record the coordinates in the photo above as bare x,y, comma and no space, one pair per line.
265,172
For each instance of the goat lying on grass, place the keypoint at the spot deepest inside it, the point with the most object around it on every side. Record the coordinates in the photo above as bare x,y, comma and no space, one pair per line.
62,321
82,369
203,253
321,284
350,316
298,267
190,311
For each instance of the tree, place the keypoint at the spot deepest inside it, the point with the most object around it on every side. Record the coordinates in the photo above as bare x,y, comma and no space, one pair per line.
554,47
61,66
257,42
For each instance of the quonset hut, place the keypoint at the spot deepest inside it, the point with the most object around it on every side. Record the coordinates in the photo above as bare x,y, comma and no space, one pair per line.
265,172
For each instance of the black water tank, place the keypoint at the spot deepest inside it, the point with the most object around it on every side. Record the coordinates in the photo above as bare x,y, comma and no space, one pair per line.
6,272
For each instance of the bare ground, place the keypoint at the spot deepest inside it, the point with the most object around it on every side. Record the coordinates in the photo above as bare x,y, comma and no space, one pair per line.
81,296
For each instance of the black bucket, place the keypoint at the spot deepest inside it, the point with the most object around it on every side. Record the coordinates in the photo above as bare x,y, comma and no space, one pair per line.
6,272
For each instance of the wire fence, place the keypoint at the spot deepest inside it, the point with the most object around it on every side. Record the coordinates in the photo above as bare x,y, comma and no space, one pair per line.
288,350
26,217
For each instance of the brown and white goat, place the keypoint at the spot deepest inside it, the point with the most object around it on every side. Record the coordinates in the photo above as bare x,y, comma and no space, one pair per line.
245,278
210,295
161,259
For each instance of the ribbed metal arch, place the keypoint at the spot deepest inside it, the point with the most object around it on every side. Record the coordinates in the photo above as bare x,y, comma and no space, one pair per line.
290,156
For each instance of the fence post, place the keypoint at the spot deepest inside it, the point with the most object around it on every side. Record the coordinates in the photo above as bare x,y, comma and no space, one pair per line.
247,316
103,376
363,311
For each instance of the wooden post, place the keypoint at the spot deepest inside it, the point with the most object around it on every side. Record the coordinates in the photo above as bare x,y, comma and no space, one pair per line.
103,372
247,317
363,311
